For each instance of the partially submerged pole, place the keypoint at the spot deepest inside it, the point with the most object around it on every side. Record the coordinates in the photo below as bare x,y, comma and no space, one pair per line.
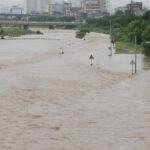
132,63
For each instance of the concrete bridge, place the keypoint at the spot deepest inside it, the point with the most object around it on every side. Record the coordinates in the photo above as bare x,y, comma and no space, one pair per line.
26,24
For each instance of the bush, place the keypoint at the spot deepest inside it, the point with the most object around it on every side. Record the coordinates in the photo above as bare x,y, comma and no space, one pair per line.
2,37
146,50
80,34
39,32
146,34
1,32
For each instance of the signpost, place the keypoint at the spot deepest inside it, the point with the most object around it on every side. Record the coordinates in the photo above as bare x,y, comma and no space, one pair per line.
91,58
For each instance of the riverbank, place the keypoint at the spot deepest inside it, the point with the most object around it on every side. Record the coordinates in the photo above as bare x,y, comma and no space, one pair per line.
15,32
127,48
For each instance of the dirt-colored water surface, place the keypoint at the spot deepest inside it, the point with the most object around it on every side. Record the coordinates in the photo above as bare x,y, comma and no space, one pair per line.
50,101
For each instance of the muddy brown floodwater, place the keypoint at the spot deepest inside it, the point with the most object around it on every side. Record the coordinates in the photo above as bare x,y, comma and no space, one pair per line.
50,101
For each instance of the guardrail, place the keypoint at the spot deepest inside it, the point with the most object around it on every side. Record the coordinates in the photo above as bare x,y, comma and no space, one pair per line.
5,22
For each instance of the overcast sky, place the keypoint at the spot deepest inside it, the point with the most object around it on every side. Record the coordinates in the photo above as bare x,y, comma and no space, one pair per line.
114,3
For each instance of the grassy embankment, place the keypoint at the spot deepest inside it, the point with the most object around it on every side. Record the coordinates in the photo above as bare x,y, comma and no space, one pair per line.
127,48
14,32
47,27
121,46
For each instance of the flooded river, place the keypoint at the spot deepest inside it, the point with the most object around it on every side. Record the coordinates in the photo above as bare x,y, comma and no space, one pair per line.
50,101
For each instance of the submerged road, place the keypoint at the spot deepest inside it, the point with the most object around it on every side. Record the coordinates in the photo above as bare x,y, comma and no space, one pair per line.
52,101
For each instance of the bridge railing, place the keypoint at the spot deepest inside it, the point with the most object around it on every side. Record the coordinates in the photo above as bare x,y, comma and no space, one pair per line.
12,22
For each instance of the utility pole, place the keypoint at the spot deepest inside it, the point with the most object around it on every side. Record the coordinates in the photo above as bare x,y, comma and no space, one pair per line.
110,29
135,53
110,37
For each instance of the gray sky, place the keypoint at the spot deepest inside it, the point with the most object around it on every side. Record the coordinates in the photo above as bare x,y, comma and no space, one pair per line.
115,3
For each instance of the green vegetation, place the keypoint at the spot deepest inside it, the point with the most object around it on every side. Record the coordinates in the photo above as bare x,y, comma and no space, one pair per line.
124,29
38,32
80,34
127,48
14,32
146,48
2,37
39,26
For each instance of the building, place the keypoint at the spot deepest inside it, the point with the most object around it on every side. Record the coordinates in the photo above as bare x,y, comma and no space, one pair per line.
94,8
123,9
60,9
56,9
31,6
16,10
67,8
133,6
76,13
4,9
140,12
136,8
37,6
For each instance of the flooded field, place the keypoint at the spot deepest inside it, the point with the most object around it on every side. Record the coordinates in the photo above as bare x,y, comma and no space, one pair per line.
50,101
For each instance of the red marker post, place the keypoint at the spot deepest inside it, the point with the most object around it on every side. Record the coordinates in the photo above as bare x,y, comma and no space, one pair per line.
91,58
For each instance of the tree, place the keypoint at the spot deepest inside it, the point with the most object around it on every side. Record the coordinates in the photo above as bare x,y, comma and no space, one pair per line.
119,12
134,29
146,34
146,50
146,16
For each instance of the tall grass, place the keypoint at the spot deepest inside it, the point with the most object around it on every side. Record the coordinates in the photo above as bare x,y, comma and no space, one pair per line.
14,32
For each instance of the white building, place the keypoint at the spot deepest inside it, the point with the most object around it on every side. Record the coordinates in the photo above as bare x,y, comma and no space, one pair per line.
94,8
56,9
37,6
67,8
31,6
16,10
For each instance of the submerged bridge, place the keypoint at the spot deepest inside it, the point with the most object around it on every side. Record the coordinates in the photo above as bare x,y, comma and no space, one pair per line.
26,24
